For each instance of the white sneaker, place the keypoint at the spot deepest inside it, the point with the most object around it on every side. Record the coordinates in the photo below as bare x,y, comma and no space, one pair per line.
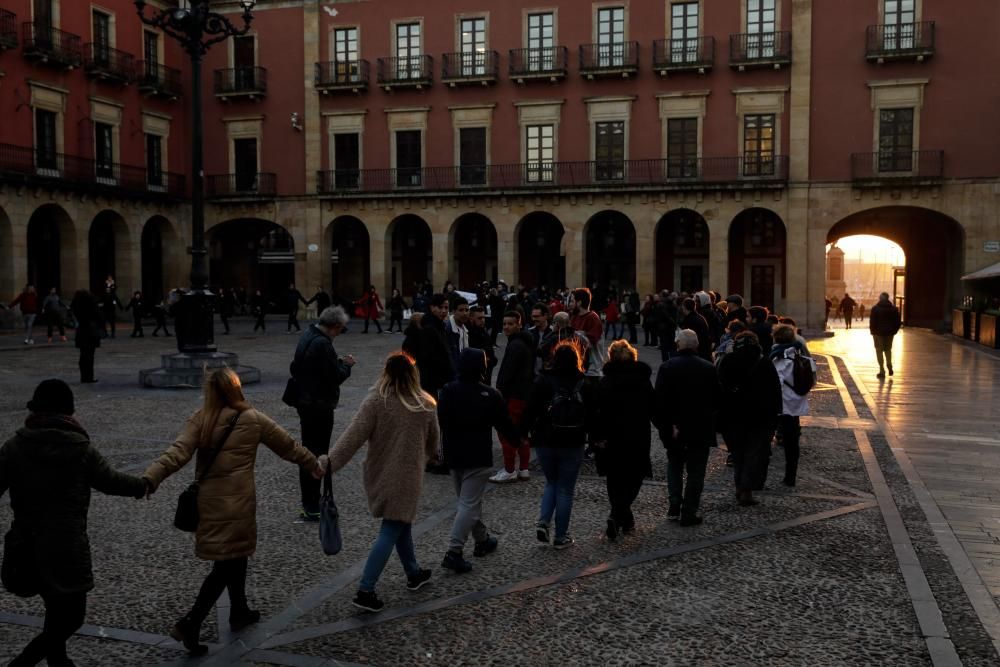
523,475
502,477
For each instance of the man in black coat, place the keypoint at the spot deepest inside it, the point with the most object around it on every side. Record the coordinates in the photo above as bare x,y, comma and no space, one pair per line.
321,299
293,298
318,374
884,322
735,310
665,314
514,379
761,328
434,360
687,394
479,338
692,320
468,411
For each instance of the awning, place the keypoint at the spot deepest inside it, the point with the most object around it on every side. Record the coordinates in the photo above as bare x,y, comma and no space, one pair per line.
992,271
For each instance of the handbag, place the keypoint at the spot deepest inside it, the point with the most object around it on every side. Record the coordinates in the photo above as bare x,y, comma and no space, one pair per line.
329,519
291,395
186,517
19,572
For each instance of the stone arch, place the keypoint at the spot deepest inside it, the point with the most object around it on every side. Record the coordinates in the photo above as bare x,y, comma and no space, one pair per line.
757,258
472,251
161,258
8,256
682,251
252,253
53,255
539,258
609,251
409,253
347,240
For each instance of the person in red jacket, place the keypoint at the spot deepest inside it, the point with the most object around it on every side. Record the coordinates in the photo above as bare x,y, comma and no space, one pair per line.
28,301
613,318
371,306
589,324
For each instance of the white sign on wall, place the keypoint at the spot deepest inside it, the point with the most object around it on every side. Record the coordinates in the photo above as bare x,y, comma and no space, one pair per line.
991,246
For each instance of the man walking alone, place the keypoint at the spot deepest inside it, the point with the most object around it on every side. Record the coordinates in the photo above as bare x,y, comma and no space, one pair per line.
884,321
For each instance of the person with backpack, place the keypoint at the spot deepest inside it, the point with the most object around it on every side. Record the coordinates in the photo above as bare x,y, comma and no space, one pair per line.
558,421
797,373
517,372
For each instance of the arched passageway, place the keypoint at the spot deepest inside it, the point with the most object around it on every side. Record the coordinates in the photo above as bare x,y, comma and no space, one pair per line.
682,251
757,258
160,257
52,250
540,260
108,251
410,250
610,251
252,254
473,251
350,257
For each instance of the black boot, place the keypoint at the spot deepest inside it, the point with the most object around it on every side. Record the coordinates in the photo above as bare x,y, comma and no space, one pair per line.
187,631
239,619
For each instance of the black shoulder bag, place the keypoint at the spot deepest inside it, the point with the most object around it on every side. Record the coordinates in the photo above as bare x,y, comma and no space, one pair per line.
186,518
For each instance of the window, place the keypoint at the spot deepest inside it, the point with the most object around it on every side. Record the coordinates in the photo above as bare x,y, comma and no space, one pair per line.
611,37
895,140
45,139
899,16
609,150
151,55
42,16
244,61
345,54
245,167
347,160
408,51
408,158
541,42
682,147
758,145
101,38
761,24
472,155
473,46
684,32
540,152
104,156
154,160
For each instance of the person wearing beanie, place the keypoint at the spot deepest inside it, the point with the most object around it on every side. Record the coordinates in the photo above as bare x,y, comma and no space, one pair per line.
50,466
736,310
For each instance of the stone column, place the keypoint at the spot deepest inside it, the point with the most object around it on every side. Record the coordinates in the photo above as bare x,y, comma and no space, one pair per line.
801,88
309,274
507,250
798,255
312,121
718,256
440,262
645,257
379,254
573,250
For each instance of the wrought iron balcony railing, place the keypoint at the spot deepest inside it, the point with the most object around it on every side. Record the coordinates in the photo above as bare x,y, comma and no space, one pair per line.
241,81
106,63
158,80
897,165
669,173
760,49
342,75
243,184
8,29
479,67
31,166
679,55
549,62
620,58
415,71
51,46
900,41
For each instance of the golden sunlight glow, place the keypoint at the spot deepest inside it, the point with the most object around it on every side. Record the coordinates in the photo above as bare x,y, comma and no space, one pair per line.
871,250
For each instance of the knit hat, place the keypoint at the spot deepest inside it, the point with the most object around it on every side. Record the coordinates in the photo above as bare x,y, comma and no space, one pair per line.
735,299
52,397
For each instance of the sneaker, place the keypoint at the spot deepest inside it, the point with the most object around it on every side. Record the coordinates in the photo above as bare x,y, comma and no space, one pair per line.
542,532
486,547
240,620
564,543
308,517
503,477
691,520
523,475
368,601
25,341
456,563
674,512
417,581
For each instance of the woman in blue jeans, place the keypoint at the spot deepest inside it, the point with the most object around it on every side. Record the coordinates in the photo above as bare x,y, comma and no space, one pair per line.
557,419
399,422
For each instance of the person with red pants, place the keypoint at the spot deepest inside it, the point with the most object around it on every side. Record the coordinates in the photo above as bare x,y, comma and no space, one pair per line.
514,380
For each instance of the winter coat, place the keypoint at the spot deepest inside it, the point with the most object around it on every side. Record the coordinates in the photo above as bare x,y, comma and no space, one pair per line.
751,391
50,468
687,396
884,319
696,323
433,355
52,304
369,306
625,408
137,307
764,334
89,329
322,301
612,313
396,307
535,421
400,442
517,368
411,340
847,305
227,498
27,301
293,298
468,411
317,370
792,403
480,339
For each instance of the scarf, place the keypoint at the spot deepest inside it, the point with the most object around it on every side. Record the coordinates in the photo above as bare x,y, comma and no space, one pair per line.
41,420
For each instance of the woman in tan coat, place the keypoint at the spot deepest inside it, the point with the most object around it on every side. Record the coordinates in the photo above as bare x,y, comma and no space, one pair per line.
227,498
398,420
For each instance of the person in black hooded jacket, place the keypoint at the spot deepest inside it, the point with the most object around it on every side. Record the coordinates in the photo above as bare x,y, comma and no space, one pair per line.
625,409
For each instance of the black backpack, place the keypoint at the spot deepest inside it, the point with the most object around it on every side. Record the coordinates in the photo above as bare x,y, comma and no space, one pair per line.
567,417
803,378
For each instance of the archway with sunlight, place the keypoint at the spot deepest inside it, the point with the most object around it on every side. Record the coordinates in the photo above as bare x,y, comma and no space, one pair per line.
858,269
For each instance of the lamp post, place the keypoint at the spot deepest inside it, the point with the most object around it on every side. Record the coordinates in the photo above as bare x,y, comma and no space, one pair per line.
197,28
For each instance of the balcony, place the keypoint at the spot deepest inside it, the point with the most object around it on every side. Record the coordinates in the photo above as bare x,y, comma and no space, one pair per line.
158,80
607,60
26,166
8,30
482,68
550,63
241,186
660,174
108,64
907,41
50,46
683,55
342,75
405,72
897,167
763,49
249,82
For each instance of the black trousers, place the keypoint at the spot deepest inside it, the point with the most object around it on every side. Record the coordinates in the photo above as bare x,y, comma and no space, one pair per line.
751,449
224,318
64,615
377,324
396,320
226,574
293,319
109,320
53,320
87,364
623,488
317,428
137,328
161,323
791,432
260,323
690,458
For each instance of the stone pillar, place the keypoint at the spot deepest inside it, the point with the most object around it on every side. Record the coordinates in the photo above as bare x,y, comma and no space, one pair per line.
128,258
801,88
645,258
507,250
380,254
798,255
816,293
74,243
440,262
573,249
309,274
718,256
312,121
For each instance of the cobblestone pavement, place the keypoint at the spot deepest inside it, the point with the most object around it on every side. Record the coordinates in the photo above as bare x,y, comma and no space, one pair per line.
844,569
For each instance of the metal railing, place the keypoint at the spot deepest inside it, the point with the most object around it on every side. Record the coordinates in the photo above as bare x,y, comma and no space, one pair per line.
406,70
890,165
8,29
604,57
684,54
545,61
760,48
475,66
900,40
241,81
105,62
249,184
667,172
51,45
158,79
33,166
342,74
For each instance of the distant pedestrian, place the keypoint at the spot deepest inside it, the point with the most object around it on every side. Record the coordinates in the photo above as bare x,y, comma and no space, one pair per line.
397,305
27,300
52,310
160,313
88,332
293,298
110,302
479,338
433,355
411,337
258,308
884,322
694,321
322,300
514,380
225,303
371,305
586,321
794,405
847,306
138,307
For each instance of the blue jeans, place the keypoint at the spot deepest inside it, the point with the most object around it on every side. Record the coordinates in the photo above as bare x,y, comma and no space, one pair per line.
561,466
391,534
